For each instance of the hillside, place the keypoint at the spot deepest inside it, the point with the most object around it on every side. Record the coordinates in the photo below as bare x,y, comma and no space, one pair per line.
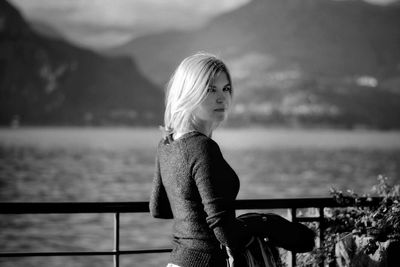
45,81
302,63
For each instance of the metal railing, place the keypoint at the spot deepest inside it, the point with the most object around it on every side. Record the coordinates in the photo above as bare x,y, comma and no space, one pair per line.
292,205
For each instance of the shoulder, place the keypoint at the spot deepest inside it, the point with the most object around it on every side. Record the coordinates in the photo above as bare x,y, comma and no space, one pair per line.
199,147
192,145
200,142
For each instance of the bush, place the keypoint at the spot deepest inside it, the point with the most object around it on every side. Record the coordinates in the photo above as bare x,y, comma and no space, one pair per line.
378,221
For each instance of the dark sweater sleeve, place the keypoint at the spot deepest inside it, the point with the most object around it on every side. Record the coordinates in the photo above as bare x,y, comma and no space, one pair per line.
159,203
206,170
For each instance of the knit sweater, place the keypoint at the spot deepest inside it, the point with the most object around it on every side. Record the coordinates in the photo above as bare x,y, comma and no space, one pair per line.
194,185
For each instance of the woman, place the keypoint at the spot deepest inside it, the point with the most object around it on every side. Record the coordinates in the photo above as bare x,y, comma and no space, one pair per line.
193,184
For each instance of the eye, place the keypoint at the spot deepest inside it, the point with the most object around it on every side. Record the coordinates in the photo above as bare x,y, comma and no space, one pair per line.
211,89
228,88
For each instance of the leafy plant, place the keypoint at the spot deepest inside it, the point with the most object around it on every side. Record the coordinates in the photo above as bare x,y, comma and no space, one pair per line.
376,218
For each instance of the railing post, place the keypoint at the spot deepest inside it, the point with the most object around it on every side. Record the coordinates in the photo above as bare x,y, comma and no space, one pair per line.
321,226
321,229
116,239
292,255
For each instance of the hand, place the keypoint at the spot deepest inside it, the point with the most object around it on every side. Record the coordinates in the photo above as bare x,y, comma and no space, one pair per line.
236,258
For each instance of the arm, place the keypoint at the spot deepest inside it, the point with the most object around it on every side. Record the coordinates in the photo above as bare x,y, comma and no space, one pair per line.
206,171
159,203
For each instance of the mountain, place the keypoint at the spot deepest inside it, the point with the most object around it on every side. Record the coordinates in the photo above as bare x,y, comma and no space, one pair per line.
45,29
48,81
295,62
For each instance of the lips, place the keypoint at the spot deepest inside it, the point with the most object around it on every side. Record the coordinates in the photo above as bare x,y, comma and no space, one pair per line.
219,110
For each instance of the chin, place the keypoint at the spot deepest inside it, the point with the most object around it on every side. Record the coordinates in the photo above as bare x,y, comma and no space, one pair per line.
220,118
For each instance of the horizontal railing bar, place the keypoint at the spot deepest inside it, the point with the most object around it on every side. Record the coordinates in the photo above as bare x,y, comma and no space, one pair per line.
57,253
72,207
247,204
308,219
138,207
82,253
145,251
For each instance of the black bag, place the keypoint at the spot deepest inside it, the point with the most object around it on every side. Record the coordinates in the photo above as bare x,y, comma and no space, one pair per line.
280,232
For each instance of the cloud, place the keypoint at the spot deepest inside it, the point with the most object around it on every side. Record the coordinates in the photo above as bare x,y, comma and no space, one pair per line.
104,23
381,2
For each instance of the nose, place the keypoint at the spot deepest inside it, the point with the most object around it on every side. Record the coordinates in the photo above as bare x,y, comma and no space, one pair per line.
220,98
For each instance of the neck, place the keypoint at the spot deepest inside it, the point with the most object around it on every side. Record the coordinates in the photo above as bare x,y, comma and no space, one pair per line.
206,128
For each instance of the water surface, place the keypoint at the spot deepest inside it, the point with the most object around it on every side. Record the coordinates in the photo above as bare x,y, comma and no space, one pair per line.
116,164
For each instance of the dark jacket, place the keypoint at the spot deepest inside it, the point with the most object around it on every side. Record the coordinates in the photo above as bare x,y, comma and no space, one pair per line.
292,236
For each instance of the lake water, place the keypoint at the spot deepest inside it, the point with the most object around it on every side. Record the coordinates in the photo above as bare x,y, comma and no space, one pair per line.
116,164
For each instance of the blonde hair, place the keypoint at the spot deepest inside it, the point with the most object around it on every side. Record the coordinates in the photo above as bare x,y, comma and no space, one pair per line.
187,89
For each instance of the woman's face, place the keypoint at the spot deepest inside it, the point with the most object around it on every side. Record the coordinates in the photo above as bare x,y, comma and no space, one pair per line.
215,107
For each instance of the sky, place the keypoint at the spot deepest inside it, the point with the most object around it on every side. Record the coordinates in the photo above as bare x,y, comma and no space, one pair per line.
106,23
102,24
